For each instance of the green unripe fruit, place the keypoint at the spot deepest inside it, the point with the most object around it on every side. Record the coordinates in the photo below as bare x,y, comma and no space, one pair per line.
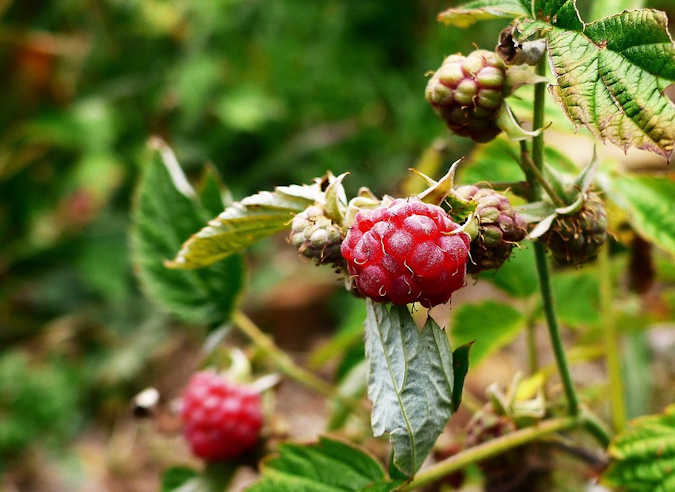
467,93
316,236
499,228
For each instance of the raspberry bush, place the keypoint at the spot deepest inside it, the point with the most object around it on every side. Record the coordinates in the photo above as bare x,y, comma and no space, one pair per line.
527,207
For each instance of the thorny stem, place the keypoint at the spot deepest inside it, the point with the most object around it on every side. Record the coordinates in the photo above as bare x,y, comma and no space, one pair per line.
287,366
540,254
617,404
490,449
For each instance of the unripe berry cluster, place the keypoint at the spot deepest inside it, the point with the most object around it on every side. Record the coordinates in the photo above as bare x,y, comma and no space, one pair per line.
499,228
467,93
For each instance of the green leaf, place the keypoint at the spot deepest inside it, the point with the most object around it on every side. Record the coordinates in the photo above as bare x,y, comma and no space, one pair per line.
460,364
643,456
490,324
578,295
492,162
177,477
327,466
163,217
212,192
518,276
479,10
243,223
410,382
604,8
611,74
648,201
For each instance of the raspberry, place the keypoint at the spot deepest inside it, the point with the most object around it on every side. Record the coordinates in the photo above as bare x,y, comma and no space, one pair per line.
499,228
316,236
221,420
576,239
467,93
405,252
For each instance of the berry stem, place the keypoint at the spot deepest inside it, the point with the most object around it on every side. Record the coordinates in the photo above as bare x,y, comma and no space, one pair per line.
489,449
616,390
532,171
540,253
288,367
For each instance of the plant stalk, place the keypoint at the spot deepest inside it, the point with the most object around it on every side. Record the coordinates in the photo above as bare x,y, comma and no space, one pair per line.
490,449
540,253
612,350
288,367
534,173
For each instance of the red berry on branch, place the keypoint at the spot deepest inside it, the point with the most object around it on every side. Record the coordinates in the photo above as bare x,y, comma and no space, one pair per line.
221,420
406,252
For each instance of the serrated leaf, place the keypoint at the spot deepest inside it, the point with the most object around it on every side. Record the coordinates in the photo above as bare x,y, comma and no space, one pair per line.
410,382
460,364
490,324
479,10
163,217
643,456
242,224
648,201
327,466
611,74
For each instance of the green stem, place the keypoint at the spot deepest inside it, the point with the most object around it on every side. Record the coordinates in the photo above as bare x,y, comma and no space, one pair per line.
540,254
288,367
616,390
554,330
490,449
595,427
533,172
532,359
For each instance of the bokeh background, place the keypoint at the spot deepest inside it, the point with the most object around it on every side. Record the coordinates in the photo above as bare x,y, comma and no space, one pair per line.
270,93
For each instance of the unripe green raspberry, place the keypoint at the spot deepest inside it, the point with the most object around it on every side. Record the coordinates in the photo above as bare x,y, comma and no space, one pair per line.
467,93
316,236
576,239
499,228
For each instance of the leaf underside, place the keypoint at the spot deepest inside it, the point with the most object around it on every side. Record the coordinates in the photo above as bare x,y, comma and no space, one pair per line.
327,466
410,382
611,75
479,10
644,454
243,223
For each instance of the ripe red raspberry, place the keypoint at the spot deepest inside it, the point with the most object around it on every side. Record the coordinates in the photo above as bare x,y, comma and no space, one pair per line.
405,252
221,420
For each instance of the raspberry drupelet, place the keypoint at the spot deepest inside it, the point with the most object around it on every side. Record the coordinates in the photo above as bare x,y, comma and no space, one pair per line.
221,420
406,252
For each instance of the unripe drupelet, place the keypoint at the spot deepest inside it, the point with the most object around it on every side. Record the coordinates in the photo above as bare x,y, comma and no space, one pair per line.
576,239
221,420
316,236
499,228
467,93
406,252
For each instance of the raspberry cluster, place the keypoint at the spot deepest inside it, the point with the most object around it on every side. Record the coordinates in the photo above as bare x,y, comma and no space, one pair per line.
499,228
467,93
406,252
221,420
